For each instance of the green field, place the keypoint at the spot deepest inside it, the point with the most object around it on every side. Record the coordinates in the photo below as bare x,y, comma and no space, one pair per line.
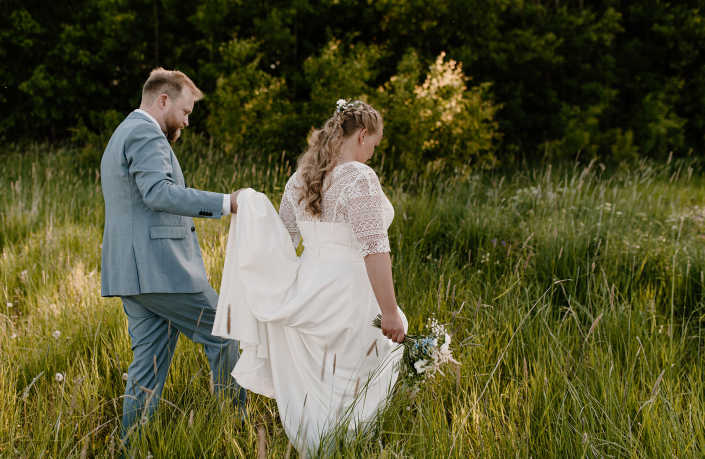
578,294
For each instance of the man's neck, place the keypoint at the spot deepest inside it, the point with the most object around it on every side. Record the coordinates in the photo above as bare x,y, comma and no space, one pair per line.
154,114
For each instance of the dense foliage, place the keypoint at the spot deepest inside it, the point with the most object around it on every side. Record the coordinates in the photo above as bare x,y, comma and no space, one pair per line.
613,78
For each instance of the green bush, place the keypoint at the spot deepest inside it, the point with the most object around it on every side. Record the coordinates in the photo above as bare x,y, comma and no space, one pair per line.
426,119
248,108
438,119
337,74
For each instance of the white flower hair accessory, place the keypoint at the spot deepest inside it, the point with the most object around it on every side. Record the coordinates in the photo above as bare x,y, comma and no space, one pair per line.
343,104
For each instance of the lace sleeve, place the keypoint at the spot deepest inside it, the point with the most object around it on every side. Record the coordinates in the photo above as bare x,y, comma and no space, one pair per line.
366,214
286,213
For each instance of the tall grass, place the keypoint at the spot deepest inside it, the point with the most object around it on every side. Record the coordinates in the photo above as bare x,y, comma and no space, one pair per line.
578,293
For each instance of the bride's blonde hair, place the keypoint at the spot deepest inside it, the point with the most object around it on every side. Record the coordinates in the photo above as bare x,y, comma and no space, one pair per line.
325,147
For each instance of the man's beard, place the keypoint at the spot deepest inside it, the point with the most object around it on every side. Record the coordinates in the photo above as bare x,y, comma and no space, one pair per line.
173,127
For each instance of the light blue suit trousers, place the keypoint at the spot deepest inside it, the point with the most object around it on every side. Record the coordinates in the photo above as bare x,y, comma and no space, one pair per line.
155,321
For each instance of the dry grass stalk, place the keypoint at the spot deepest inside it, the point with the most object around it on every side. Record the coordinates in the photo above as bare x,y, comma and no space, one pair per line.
323,367
657,384
374,344
84,450
190,420
261,446
288,449
594,324
457,378
527,241
429,225
199,319
641,348
75,394
155,365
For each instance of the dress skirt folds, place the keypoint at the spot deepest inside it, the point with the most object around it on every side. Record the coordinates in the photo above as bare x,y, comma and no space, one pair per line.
304,324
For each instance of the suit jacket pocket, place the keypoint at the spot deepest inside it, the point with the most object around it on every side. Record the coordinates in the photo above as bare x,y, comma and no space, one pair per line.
167,232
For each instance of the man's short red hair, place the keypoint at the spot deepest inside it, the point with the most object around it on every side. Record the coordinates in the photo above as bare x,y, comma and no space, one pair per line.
169,82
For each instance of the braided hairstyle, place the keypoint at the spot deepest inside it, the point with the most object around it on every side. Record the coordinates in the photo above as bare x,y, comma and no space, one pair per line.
326,145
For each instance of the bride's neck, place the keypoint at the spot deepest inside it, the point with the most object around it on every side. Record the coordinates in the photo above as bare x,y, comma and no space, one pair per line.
346,156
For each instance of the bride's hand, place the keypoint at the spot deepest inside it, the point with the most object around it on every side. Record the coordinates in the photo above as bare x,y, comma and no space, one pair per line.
393,327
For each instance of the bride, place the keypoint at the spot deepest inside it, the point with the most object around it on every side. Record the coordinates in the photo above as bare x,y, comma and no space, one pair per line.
305,323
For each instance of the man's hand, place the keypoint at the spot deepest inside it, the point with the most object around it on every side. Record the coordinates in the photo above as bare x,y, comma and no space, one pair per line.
233,201
393,327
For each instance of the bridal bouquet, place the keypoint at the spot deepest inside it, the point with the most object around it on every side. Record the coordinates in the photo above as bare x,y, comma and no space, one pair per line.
424,355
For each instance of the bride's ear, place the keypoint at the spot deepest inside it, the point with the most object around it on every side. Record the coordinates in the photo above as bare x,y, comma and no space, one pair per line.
362,136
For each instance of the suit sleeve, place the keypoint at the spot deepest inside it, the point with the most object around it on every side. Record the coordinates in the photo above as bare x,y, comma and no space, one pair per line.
149,160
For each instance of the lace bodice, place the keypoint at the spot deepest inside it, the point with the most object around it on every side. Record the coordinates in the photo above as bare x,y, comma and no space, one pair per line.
355,215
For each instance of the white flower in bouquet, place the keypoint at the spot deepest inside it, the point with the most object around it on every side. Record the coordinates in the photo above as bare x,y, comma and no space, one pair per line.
419,365
446,345
424,355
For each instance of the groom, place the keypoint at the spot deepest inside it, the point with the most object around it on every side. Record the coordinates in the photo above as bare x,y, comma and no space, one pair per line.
151,257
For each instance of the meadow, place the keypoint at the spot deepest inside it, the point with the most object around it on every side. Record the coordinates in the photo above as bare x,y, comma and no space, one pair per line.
576,290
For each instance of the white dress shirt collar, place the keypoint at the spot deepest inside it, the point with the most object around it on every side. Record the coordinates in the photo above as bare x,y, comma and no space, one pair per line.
150,117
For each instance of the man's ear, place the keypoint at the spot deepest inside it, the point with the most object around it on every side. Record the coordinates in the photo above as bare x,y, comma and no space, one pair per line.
161,101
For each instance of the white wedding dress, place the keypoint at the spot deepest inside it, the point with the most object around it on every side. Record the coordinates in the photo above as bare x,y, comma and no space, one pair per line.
305,324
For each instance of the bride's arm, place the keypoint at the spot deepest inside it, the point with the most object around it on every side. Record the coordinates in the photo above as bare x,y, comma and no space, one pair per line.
366,218
288,217
379,270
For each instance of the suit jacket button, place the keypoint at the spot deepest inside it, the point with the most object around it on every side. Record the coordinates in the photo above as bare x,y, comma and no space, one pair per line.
193,228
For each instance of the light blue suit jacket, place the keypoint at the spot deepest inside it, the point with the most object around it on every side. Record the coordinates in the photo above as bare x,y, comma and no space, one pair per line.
149,242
